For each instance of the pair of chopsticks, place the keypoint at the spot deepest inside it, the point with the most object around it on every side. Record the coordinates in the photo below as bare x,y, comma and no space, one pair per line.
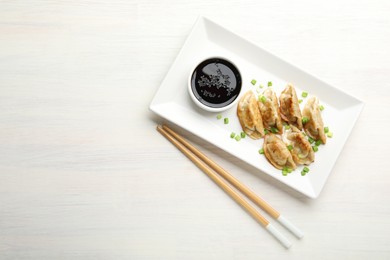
218,174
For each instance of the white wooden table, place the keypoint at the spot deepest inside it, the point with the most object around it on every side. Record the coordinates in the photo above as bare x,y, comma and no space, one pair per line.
85,175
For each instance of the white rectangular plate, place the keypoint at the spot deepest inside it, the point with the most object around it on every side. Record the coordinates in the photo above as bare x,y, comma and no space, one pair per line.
207,39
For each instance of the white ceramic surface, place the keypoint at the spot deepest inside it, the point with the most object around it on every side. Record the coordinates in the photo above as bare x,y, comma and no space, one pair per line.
210,39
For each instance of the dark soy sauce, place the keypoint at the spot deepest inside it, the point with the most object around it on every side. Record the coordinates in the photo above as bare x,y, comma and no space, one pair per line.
216,82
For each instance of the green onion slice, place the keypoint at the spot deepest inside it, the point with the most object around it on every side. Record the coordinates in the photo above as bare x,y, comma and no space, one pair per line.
274,130
305,120
326,129
262,99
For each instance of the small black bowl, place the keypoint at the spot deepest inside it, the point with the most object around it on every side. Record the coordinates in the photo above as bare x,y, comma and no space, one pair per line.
215,84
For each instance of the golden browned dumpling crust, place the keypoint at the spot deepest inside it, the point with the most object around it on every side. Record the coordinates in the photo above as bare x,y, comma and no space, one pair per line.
289,107
301,151
277,152
314,127
269,109
249,115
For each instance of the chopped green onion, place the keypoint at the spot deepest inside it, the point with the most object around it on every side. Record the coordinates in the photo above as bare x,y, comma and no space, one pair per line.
266,131
322,107
274,130
262,99
226,120
253,82
304,94
300,101
261,86
238,138
329,134
304,171
311,140
305,120
304,134
261,151
318,142
290,147
269,83
287,127
301,156
243,134
232,135
286,170
326,129
219,116
315,148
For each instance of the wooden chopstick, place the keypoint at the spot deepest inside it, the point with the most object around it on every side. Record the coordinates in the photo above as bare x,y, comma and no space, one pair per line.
238,185
226,187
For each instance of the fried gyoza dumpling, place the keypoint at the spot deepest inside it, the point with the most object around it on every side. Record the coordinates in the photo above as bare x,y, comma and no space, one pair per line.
301,151
289,107
314,127
269,109
249,115
277,152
